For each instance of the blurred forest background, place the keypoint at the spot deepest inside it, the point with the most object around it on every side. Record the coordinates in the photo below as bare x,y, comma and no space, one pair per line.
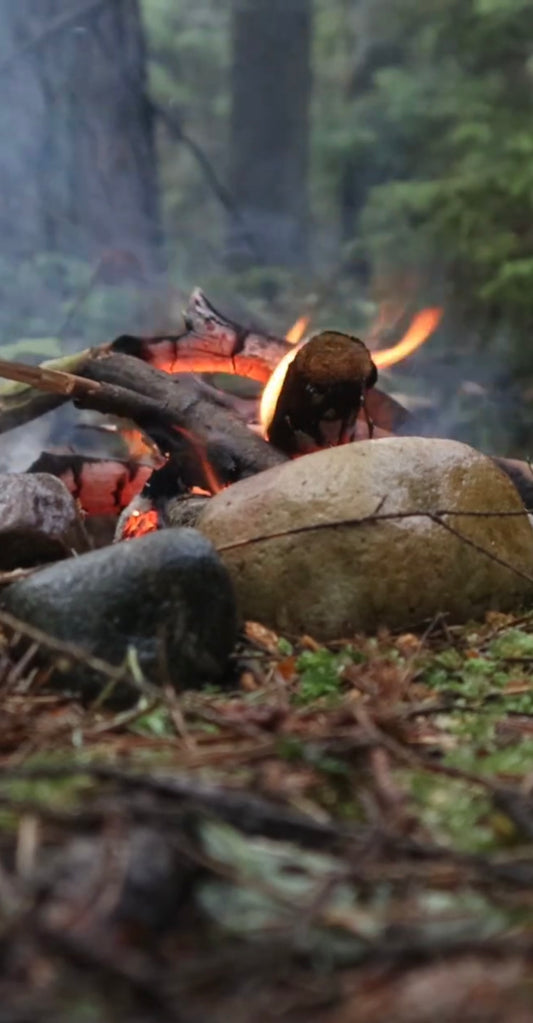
353,159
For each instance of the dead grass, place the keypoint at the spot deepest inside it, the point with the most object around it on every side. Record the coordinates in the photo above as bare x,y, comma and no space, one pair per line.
344,834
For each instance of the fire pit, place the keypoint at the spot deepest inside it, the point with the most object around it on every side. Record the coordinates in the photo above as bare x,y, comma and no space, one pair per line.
329,536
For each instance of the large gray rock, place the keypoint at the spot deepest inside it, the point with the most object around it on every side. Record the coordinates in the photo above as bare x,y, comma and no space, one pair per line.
39,521
297,569
167,595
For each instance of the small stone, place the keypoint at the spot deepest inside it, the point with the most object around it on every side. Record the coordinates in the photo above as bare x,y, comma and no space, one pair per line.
302,562
166,595
39,521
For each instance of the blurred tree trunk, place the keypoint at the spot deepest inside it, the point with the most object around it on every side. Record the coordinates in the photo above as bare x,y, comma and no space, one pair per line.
271,86
78,172
359,175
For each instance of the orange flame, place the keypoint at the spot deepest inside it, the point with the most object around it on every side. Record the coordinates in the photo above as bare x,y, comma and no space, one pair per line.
198,447
200,492
421,328
273,386
139,445
298,329
140,523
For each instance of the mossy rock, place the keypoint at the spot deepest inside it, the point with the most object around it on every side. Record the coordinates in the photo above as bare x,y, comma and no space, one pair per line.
313,545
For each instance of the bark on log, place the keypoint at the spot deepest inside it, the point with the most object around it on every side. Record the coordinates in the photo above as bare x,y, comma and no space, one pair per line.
20,402
212,343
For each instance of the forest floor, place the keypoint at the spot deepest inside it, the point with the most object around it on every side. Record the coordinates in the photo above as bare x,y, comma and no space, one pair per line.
346,834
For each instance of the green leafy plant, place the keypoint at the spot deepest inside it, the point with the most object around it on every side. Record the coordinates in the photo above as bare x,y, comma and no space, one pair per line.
320,674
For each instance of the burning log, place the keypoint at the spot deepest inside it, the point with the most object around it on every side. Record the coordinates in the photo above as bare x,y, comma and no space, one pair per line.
329,385
160,405
211,343
102,486
323,391
317,396
166,408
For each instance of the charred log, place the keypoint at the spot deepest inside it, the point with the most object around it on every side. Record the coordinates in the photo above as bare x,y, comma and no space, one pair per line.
211,343
160,405
102,486
323,392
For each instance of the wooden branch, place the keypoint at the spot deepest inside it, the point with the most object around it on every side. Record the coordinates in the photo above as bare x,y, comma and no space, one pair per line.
212,343
152,398
39,389
124,386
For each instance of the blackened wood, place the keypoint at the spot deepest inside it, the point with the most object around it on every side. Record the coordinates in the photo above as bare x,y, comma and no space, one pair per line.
161,405
103,486
212,343
157,402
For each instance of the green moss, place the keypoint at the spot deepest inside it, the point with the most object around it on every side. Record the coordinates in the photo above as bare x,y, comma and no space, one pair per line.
156,722
320,674
453,812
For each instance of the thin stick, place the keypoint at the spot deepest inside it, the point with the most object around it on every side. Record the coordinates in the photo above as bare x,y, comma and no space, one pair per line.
55,381
223,194
436,517
125,386
29,397
63,649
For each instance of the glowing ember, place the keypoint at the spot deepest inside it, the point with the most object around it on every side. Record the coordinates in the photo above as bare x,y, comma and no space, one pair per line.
198,447
140,523
140,445
421,328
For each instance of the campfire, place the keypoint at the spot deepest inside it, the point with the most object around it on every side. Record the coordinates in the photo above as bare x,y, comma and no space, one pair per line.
194,455
316,392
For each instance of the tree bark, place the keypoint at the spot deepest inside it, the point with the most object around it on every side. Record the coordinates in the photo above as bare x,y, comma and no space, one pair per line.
78,170
271,86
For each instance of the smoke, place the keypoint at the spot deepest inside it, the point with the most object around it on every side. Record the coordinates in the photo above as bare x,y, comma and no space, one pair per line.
23,445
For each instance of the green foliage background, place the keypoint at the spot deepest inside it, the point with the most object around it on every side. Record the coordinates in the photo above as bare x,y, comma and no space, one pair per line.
430,106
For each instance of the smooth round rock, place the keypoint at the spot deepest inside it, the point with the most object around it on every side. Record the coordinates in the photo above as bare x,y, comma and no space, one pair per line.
301,562
39,521
167,595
